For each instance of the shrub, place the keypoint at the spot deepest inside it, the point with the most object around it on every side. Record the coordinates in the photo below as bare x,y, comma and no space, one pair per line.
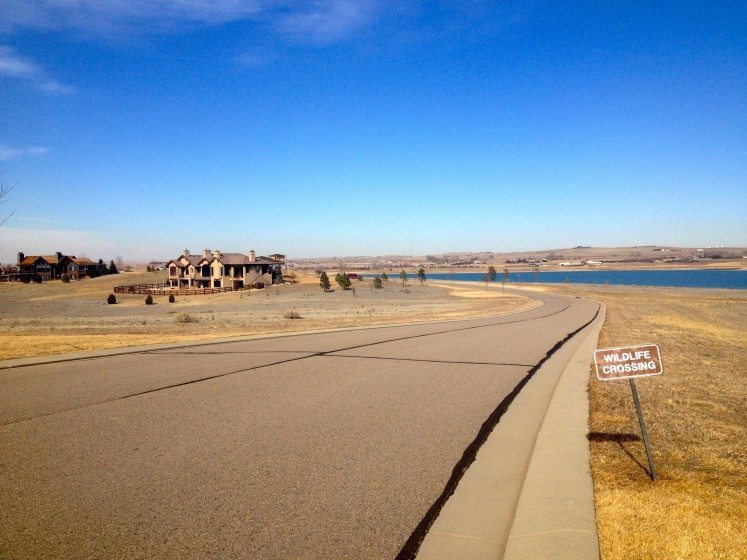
377,283
324,281
492,274
65,279
149,300
292,315
172,299
112,299
185,318
343,281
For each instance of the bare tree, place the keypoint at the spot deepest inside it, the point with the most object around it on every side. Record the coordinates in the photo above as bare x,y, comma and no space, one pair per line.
4,190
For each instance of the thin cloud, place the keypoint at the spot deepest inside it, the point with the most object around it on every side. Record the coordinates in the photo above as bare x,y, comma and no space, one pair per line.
327,21
7,152
102,16
14,65
318,21
53,86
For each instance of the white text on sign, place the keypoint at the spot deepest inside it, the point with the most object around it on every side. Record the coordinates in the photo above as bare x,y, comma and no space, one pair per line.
622,363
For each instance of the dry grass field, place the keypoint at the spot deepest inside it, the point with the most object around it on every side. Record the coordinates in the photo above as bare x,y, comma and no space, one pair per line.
697,421
56,318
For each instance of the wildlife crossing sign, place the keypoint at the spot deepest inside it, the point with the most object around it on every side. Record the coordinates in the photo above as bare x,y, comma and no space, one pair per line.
631,361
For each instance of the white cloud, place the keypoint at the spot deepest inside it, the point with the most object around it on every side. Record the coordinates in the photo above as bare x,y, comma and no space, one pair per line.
7,152
311,20
53,86
326,21
12,64
16,66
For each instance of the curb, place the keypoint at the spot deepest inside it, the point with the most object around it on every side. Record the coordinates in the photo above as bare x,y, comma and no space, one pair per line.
481,516
555,516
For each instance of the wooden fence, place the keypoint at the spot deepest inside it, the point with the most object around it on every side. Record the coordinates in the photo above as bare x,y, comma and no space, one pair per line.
165,290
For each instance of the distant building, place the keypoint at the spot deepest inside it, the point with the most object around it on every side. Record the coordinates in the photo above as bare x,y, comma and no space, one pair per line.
213,269
52,267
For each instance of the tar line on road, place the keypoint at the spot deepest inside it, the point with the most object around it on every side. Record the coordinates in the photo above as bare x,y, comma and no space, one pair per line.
412,545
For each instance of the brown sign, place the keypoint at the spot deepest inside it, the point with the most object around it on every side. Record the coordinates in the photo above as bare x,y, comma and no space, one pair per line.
631,361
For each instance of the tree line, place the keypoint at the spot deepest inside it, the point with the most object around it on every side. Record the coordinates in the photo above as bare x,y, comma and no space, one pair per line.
343,280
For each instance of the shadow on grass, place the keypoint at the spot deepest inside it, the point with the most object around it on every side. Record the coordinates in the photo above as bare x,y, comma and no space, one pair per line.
619,439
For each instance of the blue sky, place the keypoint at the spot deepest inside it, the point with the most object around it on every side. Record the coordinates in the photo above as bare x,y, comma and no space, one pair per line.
337,127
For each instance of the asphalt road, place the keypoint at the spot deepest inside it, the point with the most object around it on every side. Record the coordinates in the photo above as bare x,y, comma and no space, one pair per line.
310,446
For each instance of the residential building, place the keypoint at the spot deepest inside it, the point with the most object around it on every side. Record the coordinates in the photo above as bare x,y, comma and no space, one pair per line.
51,267
214,269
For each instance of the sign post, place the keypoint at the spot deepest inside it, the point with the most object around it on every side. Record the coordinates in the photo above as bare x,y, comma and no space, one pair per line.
642,423
628,363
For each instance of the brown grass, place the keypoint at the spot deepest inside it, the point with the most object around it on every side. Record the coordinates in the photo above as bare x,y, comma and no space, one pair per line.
56,318
695,412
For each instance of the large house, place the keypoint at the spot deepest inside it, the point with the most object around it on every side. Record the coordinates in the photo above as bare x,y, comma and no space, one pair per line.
213,269
51,267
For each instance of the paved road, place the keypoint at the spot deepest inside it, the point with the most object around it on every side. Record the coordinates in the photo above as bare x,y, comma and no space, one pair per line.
313,446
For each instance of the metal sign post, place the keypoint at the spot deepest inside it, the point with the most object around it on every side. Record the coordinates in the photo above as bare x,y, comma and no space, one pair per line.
629,363
644,433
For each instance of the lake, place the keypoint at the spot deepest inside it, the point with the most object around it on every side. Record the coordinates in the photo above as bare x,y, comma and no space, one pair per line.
702,278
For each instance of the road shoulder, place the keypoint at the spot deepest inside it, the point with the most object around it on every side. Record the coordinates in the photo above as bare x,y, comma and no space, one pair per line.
529,492
555,516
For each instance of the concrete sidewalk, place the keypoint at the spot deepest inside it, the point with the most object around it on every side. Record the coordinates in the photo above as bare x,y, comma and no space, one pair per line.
536,460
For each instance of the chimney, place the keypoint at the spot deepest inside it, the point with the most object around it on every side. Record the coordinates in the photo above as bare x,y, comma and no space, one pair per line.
58,255
21,256
216,253
252,256
186,252
206,254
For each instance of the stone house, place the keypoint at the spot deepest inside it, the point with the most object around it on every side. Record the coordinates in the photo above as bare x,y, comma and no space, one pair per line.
214,269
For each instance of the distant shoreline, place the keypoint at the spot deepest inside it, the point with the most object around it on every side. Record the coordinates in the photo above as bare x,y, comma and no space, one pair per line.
555,268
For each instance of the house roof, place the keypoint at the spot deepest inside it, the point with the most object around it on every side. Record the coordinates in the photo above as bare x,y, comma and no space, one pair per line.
31,259
83,261
191,259
231,259
240,258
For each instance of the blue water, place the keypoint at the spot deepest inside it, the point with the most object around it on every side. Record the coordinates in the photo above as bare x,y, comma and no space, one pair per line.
731,279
